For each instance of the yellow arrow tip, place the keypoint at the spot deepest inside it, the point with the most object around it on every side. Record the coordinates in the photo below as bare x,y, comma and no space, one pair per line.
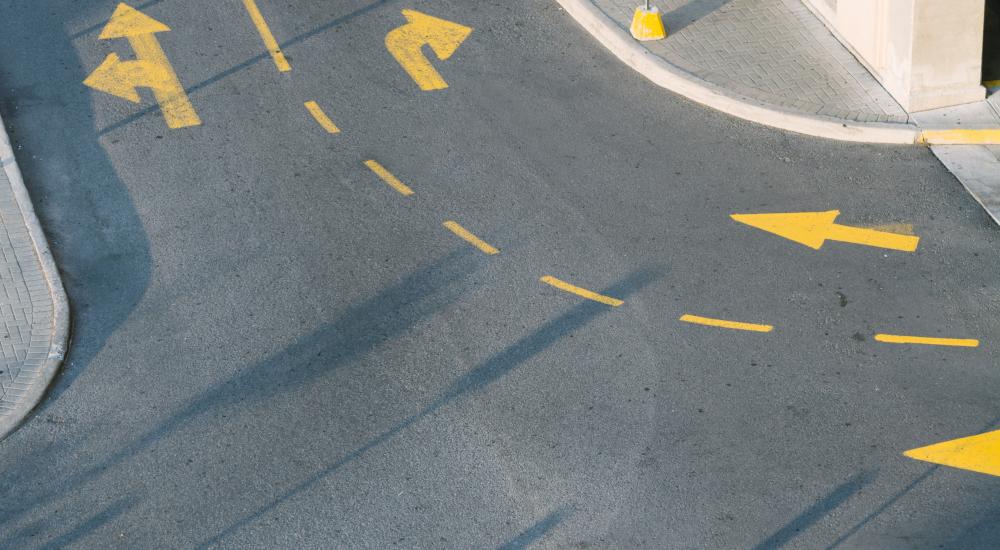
808,228
977,453
127,21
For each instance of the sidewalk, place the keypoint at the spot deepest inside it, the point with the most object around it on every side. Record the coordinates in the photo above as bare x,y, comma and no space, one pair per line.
33,306
775,63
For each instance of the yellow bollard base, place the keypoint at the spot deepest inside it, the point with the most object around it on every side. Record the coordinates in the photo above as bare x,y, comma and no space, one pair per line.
647,25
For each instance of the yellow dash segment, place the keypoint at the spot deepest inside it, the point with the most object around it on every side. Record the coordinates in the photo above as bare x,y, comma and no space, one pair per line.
563,285
321,117
387,177
725,324
470,238
897,339
265,34
982,136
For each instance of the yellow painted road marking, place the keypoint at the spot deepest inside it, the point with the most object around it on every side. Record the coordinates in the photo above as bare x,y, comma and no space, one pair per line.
470,238
973,136
387,177
687,318
265,34
897,339
563,285
978,453
992,83
150,69
405,43
900,228
814,228
321,118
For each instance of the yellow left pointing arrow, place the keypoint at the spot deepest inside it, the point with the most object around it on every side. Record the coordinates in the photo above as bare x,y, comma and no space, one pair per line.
978,453
151,68
815,228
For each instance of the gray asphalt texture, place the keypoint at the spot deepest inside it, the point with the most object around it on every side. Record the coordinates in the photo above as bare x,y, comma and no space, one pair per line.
272,348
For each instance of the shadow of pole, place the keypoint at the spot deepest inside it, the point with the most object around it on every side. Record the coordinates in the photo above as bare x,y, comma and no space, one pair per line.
477,379
534,533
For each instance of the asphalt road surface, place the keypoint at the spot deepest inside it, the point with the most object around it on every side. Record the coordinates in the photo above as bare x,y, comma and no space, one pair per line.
274,348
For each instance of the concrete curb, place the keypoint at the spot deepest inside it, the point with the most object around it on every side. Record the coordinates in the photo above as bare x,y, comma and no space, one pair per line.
681,82
60,304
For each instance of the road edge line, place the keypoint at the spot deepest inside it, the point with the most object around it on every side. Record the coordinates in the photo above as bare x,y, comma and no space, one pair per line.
60,303
681,82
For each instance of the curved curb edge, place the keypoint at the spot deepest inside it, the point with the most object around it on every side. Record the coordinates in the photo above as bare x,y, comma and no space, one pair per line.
60,304
679,81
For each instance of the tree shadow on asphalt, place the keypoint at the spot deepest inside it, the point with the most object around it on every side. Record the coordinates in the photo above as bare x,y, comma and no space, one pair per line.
96,236
472,382
312,359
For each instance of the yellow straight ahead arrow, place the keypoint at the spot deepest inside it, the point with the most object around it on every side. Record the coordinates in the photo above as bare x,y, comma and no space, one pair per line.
978,453
405,44
814,228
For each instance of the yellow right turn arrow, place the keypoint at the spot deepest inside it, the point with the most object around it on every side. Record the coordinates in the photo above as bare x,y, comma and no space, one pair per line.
815,228
405,44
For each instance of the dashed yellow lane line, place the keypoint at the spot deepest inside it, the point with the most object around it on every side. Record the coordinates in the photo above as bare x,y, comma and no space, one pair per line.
721,323
475,241
321,118
265,34
590,295
899,339
387,177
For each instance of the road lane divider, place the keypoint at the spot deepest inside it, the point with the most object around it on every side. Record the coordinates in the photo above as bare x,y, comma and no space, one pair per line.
588,294
722,323
465,234
927,341
323,120
265,34
387,177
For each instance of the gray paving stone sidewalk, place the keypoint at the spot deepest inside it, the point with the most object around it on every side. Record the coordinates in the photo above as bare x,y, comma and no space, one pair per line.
33,310
774,51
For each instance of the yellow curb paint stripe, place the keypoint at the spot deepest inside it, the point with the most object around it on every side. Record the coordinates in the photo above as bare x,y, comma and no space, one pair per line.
563,285
721,323
387,177
475,241
991,83
899,339
321,118
265,34
975,136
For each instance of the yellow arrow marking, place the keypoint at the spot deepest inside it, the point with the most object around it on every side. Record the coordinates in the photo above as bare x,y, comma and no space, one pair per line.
588,294
405,43
814,228
978,453
475,241
265,34
151,68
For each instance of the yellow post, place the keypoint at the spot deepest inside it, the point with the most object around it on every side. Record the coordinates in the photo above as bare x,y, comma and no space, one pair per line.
647,24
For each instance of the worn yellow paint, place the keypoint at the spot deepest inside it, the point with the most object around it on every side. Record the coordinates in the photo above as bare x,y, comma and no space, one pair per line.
978,453
899,339
960,136
814,228
647,24
901,228
321,118
590,295
687,318
387,177
475,241
991,83
265,34
405,43
151,68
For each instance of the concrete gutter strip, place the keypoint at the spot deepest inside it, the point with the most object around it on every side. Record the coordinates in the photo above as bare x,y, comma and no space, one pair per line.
679,81
60,305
